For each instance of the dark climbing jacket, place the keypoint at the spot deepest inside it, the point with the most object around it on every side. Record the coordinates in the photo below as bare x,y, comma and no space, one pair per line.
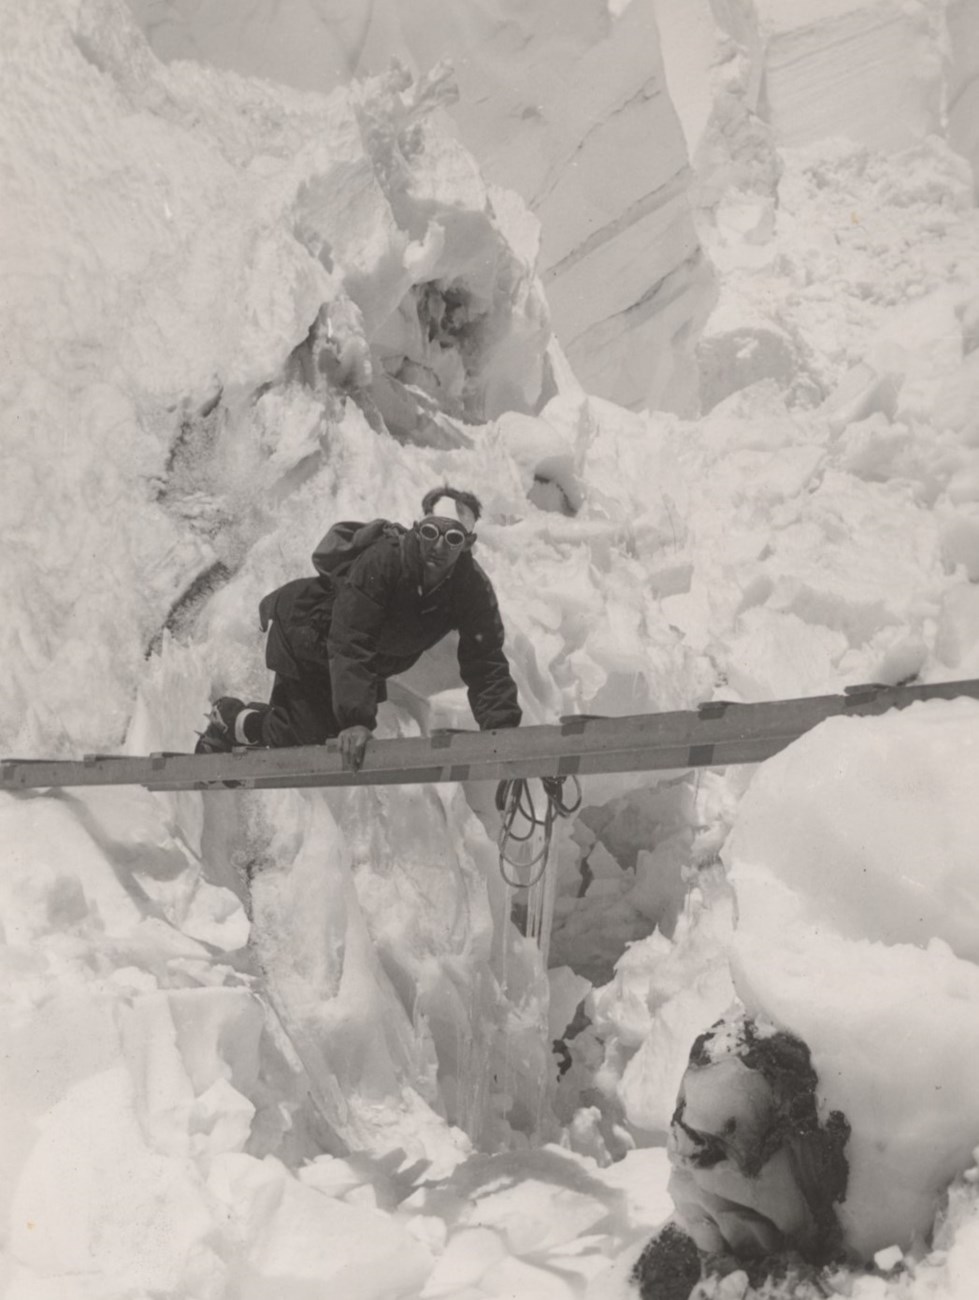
375,621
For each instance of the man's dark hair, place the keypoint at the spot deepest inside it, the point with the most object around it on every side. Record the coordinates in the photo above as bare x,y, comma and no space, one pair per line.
431,499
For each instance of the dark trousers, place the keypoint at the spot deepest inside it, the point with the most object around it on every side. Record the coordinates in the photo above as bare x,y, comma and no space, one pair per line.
299,712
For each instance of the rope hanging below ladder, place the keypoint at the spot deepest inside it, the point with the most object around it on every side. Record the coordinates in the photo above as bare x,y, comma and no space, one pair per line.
514,799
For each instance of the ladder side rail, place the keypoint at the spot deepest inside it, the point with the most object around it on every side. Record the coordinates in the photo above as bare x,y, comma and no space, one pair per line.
674,758
223,771
714,736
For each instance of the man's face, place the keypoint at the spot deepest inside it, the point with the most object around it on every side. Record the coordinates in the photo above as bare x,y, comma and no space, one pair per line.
441,540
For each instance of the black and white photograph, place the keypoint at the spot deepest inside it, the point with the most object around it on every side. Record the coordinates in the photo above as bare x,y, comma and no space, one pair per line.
489,652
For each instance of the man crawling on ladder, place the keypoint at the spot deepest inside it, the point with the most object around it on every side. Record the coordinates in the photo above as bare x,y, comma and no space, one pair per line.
383,595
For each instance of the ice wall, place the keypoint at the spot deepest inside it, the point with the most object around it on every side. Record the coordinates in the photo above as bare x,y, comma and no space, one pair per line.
872,71
756,86
577,109
963,86
262,277
566,104
309,244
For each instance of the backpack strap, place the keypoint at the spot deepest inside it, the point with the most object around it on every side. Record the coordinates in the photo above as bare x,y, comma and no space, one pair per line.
345,541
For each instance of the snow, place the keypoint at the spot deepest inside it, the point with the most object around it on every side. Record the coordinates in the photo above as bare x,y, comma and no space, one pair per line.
898,829
963,47
862,878
551,95
263,1043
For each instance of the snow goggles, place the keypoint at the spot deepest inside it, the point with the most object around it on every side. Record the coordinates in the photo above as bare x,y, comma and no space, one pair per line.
430,531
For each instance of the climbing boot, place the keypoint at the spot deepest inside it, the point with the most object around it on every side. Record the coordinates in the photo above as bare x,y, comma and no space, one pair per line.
219,737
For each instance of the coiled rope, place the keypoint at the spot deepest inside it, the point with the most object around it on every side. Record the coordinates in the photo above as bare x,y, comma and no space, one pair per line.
514,799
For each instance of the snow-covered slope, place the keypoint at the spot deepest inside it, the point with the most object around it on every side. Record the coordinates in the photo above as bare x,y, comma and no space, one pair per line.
263,1044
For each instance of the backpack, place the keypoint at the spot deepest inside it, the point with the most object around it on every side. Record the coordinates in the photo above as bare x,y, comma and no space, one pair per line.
345,541
299,612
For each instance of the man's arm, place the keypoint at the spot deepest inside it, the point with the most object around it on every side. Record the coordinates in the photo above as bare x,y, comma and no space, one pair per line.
483,664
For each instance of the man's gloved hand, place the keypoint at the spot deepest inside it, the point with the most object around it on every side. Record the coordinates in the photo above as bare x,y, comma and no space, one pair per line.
353,742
